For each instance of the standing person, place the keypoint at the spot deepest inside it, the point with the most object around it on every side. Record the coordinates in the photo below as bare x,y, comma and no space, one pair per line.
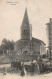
36,68
25,71
4,71
40,65
22,71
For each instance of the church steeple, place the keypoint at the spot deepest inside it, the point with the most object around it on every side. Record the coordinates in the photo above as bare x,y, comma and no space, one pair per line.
25,19
25,27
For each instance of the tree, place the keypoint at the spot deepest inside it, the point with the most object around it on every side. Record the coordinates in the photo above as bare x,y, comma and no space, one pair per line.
6,45
10,45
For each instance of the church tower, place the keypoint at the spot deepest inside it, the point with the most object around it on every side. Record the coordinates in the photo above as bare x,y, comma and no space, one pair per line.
25,27
25,33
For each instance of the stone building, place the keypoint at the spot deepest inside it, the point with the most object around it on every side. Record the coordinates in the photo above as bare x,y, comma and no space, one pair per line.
49,34
28,44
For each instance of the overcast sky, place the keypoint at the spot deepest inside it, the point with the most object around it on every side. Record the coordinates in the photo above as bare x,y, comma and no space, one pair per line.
11,16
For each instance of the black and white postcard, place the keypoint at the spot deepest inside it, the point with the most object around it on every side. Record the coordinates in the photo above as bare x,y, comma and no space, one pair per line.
25,39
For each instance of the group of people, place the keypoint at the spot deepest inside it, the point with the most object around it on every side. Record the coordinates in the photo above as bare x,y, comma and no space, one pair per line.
38,67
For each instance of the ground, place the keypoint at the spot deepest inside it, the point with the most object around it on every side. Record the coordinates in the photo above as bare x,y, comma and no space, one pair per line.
15,76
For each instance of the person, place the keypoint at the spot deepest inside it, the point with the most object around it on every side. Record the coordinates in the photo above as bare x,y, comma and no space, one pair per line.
25,71
40,65
43,67
4,71
22,72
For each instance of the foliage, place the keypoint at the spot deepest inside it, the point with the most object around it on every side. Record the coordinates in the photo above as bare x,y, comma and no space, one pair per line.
6,45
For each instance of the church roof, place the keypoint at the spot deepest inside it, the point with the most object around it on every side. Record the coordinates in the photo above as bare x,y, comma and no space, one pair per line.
33,39
37,40
25,21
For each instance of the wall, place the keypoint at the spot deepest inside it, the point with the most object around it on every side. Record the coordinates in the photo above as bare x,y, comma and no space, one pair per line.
42,49
36,47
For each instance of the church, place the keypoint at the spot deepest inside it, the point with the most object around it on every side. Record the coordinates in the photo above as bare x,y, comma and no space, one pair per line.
28,44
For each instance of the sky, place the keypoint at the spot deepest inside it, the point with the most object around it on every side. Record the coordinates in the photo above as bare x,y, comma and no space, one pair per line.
11,17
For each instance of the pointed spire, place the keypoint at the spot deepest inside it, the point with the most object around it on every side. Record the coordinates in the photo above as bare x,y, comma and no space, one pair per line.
25,19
